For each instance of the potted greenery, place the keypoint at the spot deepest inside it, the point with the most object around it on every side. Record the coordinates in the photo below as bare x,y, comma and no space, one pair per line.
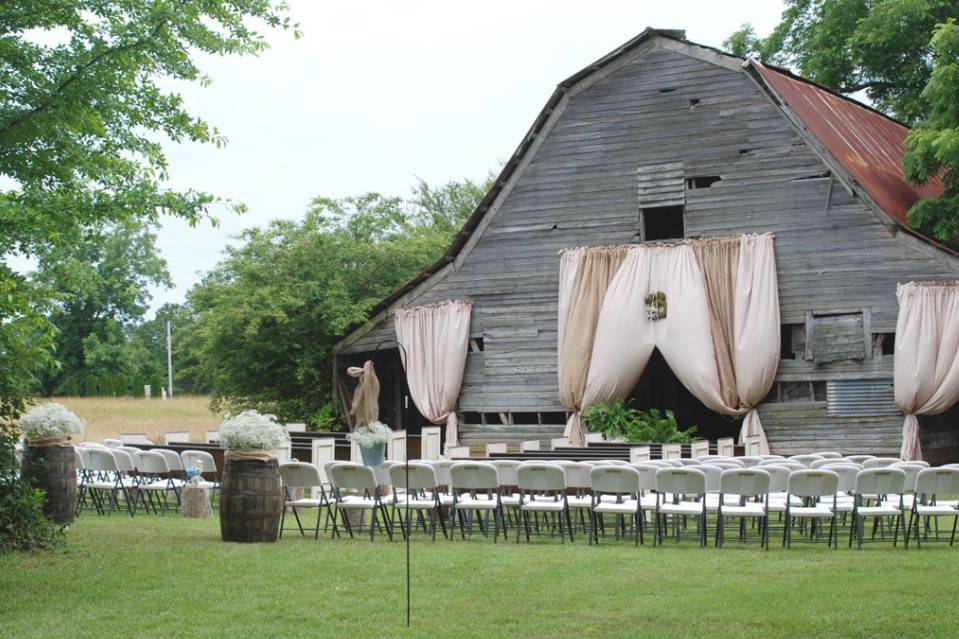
251,496
618,422
49,460
372,439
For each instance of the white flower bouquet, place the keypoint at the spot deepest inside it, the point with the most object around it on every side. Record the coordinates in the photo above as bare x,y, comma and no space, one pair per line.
50,421
251,430
371,435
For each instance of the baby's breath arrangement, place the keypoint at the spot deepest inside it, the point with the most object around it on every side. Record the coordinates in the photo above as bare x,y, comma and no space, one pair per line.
371,435
252,430
50,420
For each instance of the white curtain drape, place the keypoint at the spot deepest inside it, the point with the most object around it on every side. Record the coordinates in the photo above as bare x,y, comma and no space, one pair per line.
625,337
926,368
756,341
435,339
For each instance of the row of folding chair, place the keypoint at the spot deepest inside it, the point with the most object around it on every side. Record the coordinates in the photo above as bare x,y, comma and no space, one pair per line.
547,494
140,478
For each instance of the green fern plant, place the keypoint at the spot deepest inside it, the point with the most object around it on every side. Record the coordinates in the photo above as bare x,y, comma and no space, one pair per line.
617,421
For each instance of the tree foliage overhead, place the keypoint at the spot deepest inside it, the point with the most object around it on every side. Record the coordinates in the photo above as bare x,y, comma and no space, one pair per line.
879,47
885,49
83,110
932,148
267,317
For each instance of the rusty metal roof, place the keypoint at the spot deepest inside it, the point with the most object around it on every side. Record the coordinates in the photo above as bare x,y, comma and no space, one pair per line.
868,144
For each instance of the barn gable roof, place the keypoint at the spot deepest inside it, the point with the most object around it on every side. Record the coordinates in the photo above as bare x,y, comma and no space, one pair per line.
862,140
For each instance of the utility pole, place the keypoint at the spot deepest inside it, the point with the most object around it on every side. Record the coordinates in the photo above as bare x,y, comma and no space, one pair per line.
169,361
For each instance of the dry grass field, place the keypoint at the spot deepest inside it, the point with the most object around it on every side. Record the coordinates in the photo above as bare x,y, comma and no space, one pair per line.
111,416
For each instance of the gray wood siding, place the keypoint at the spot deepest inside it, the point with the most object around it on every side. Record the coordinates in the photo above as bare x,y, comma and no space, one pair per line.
581,188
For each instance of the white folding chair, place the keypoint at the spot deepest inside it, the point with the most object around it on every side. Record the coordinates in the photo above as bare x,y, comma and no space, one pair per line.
880,462
509,498
542,490
153,480
687,486
476,490
416,487
748,489
355,488
879,484
779,488
622,484
930,483
806,460
300,475
108,478
198,459
811,485
858,459
578,488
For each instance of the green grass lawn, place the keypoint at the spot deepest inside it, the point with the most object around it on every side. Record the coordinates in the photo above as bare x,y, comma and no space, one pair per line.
172,577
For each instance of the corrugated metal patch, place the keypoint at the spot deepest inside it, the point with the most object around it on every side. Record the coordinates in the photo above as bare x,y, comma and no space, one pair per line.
860,398
868,144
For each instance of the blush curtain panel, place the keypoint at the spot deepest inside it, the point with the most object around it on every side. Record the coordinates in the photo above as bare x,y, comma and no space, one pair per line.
926,364
435,339
720,335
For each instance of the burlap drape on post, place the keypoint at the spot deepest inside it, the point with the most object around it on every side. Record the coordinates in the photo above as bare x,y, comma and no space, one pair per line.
719,260
585,274
435,339
720,335
366,397
926,365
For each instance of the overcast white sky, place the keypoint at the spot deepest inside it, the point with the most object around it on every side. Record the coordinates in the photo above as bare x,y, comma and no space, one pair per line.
378,92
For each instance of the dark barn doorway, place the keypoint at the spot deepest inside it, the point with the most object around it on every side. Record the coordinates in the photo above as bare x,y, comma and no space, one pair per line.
660,388
397,409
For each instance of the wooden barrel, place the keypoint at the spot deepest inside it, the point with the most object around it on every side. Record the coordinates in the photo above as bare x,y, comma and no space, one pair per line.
251,500
54,470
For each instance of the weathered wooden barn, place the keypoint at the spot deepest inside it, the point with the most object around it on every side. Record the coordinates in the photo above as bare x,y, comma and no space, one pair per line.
663,138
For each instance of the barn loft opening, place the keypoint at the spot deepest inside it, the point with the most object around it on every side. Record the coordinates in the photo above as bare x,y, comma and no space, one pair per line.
702,181
792,341
663,223
883,344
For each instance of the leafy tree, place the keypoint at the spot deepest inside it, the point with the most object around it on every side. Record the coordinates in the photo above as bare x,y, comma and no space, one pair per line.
932,148
83,107
268,315
149,345
880,47
103,280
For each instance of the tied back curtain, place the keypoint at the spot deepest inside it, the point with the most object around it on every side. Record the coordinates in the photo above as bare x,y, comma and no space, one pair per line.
435,339
720,335
584,275
926,364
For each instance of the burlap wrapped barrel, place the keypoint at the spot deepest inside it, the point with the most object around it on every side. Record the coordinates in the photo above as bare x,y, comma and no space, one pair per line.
251,500
53,469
